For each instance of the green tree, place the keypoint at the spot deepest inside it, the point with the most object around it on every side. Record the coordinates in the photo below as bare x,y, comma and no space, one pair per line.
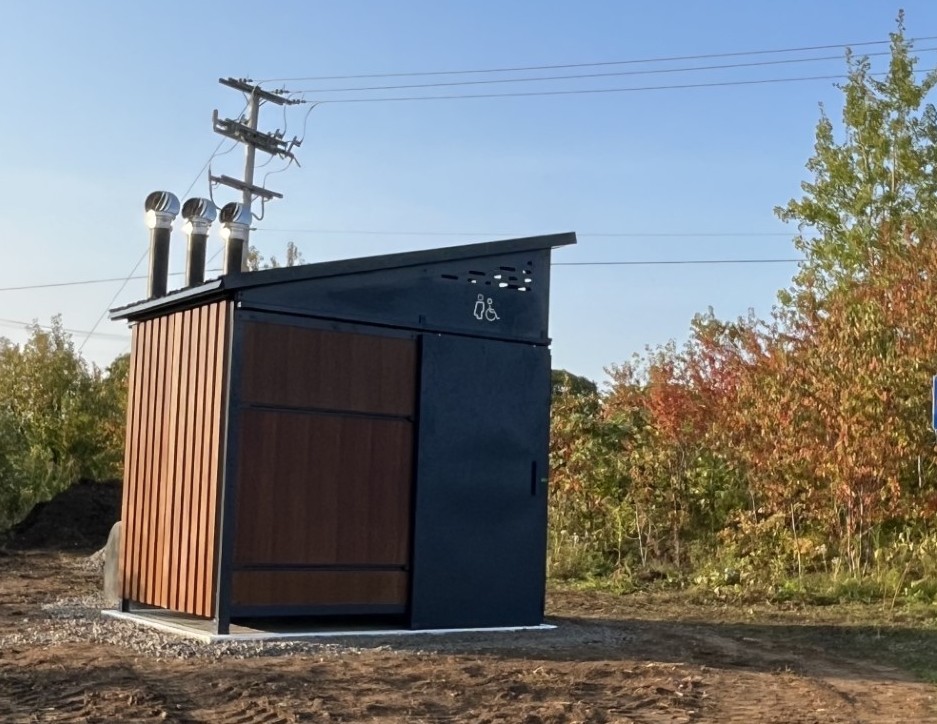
564,382
873,180
256,262
588,532
59,420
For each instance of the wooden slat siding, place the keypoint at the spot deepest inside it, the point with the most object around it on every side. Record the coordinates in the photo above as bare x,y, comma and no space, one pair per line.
130,459
177,479
152,451
167,510
141,466
130,523
319,588
164,531
145,453
159,475
323,490
151,479
178,440
154,569
219,345
299,367
173,459
191,360
201,401
197,381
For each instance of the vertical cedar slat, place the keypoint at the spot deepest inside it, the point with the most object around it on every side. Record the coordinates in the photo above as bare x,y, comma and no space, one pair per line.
192,434
142,456
210,464
156,566
149,470
166,468
217,431
171,446
167,473
170,470
176,438
149,456
159,466
159,480
185,500
131,525
192,403
196,420
200,488
130,456
205,548
166,512
175,444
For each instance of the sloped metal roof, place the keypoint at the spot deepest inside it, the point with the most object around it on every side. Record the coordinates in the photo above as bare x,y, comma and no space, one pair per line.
230,283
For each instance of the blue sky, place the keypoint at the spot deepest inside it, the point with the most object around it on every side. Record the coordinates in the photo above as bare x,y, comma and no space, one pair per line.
106,101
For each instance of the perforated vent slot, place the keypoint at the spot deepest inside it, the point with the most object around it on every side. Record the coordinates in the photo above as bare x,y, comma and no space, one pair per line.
520,281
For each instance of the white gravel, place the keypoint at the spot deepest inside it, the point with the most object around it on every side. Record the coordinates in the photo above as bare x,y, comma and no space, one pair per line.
78,620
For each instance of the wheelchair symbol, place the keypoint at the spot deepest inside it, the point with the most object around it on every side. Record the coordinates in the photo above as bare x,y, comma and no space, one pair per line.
484,309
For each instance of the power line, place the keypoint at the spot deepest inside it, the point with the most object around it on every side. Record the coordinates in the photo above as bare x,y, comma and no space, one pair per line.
50,285
513,234
475,234
143,256
17,323
110,303
633,61
666,262
567,263
578,76
584,234
591,91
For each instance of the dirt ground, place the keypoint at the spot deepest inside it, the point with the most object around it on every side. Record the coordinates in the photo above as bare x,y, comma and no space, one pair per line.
638,658
78,518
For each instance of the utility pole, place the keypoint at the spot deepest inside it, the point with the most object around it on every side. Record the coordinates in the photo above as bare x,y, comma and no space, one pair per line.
253,140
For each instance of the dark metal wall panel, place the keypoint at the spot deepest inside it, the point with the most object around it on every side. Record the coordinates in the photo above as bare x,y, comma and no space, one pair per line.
479,548
485,296
172,459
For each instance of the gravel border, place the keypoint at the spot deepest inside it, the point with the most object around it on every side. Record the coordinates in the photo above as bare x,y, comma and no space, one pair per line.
79,620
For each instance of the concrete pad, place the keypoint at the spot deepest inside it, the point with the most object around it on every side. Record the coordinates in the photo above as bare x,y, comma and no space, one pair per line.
200,629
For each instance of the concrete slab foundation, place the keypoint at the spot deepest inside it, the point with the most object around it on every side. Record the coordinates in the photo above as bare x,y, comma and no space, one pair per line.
281,630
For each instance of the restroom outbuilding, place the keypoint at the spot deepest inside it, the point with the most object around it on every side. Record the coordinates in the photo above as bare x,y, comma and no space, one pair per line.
360,437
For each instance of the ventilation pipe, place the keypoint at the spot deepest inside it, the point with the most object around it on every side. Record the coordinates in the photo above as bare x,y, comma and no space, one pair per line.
235,223
198,214
161,209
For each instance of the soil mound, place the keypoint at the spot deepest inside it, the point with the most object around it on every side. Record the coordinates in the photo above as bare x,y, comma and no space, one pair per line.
78,518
